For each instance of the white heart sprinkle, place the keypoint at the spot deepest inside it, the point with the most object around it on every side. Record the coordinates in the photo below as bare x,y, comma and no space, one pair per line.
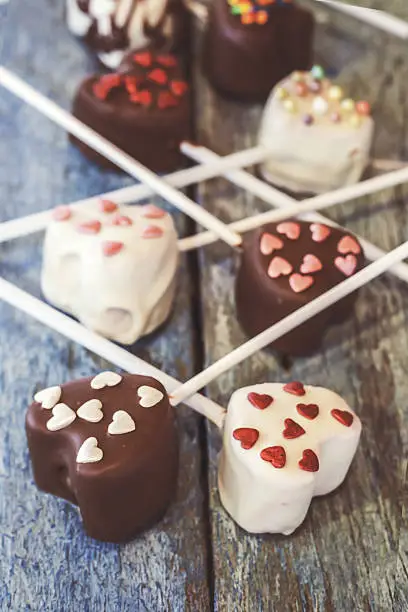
89,452
48,398
105,379
122,423
62,416
149,396
91,411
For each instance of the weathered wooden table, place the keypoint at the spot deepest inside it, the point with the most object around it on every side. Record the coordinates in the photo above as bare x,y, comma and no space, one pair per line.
351,552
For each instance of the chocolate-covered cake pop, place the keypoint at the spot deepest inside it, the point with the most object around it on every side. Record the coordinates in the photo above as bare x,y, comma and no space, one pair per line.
108,444
113,267
144,109
283,445
114,27
288,264
317,138
251,44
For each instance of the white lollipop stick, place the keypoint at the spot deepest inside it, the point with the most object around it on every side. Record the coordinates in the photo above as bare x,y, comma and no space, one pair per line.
101,346
115,155
290,322
378,19
274,197
9,230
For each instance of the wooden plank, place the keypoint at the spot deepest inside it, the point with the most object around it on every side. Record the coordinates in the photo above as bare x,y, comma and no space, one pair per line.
350,554
46,562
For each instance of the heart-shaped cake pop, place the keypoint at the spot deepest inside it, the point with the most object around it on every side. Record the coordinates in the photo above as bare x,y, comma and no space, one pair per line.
272,283
144,109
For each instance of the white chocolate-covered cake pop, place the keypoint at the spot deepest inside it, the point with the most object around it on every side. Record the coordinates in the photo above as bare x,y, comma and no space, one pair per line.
283,445
318,139
112,267
113,27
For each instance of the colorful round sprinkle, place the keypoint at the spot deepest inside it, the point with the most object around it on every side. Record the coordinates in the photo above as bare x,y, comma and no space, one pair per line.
335,93
281,93
363,107
348,105
289,105
308,119
318,73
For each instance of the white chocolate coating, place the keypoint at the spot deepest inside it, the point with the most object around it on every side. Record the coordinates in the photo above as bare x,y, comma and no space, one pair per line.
135,13
122,295
262,498
319,157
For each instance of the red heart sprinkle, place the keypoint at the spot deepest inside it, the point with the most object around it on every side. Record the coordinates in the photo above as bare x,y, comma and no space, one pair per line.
144,59
152,231
346,265
269,244
319,232
179,88
158,76
309,461
292,430
275,455
310,264
122,220
348,245
299,283
61,213
295,388
131,84
247,436
89,227
279,267
290,229
166,100
110,247
309,411
150,211
343,416
167,60
142,97
260,401
107,206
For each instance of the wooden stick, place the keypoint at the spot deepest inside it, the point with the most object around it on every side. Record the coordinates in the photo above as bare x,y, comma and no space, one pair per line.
81,131
290,322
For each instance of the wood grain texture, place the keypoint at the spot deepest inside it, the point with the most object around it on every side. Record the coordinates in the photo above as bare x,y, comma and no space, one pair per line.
46,562
350,554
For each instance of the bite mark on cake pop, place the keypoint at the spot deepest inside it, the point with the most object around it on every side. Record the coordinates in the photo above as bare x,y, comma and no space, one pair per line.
111,247
62,416
89,452
343,416
309,461
261,401
290,229
61,213
299,283
295,388
149,396
347,265
106,379
122,423
49,397
308,411
292,430
347,244
310,264
276,455
89,227
279,267
319,232
248,436
270,243
91,411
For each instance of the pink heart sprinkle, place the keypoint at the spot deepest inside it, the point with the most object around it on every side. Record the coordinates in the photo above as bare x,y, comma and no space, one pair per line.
122,220
110,247
300,283
279,267
310,264
290,229
152,231
89,227
61,213
150,211
270,243
319,232
348,245
107,206
346,265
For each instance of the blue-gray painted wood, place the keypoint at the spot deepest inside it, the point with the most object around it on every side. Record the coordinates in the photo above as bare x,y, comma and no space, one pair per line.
46,562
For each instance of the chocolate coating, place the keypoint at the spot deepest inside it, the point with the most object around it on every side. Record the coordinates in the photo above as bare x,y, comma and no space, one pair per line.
130,488
245,61
262,301
144,117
